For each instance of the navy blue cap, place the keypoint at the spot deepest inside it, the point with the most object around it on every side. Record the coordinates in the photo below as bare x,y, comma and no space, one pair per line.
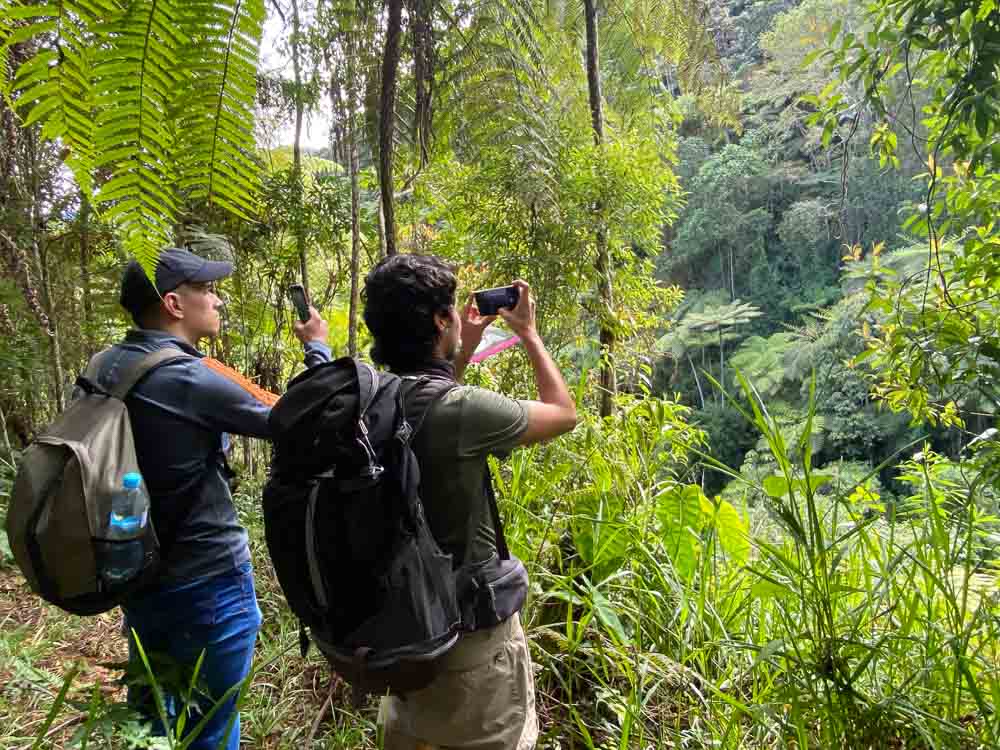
174,267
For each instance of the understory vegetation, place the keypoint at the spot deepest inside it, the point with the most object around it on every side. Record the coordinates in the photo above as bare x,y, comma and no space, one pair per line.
765,256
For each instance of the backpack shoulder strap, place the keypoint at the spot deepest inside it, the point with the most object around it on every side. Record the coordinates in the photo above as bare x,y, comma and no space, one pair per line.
418,394
430,390
491,497
368,385
132,375
95,365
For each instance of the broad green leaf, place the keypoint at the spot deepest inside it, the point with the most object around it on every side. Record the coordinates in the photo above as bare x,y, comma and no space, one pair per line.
607,615
770,649
775,486
765,589
734,532
679,510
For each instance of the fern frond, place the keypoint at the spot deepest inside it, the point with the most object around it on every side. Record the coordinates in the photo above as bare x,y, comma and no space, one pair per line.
217,154
155,96
135,83
100,82
6,29
54,88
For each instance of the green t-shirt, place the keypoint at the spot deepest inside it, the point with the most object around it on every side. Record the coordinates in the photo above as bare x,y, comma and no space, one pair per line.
460,431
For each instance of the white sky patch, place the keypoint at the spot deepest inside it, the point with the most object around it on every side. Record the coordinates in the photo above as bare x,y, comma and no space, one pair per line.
274,60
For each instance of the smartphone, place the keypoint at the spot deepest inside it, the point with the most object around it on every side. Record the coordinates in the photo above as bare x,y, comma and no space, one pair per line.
489,301
298,295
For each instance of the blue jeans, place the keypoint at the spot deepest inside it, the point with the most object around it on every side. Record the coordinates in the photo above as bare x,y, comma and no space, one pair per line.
218,615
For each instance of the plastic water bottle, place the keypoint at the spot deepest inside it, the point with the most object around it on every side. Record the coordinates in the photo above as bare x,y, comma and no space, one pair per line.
126,521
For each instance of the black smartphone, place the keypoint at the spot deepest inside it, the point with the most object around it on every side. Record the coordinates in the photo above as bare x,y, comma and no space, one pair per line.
298,295
489,301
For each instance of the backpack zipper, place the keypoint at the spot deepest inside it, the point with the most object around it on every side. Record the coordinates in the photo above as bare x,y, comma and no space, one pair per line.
374,468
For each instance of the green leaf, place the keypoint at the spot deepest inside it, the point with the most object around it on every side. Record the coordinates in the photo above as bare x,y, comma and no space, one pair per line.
770,649
831,37
680,513
828,132
126,80
776,486
818,480
982,121
607,615
966,20
566,596
734,532
16,13
55,708
765,589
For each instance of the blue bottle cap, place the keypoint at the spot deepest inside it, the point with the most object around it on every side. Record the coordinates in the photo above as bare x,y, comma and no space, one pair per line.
131,480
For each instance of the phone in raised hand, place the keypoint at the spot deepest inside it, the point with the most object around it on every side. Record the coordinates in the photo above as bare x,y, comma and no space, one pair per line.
489,301
298,294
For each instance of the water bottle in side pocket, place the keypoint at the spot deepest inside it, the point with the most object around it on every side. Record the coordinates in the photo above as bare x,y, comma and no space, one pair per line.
123,552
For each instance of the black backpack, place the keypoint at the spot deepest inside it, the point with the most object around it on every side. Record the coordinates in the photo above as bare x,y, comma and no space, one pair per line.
346,531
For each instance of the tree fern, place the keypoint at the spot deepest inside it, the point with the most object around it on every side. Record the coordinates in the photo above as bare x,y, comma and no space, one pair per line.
153,99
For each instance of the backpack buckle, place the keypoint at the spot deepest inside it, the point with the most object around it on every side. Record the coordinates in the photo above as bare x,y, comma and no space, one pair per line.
90,387
375,470
404,433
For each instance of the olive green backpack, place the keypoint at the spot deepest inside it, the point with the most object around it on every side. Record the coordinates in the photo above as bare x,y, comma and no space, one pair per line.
61,500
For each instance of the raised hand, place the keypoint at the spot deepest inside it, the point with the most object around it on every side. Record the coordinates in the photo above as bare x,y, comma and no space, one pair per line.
473,325
522,318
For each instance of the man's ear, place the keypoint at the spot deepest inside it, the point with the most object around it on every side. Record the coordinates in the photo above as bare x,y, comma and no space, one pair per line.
442,321
173,304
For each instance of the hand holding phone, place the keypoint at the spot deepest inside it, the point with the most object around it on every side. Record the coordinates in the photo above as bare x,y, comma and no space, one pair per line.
489,301
521,318
298,295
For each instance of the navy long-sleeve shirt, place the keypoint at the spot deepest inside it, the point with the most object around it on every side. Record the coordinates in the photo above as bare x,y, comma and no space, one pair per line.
180,413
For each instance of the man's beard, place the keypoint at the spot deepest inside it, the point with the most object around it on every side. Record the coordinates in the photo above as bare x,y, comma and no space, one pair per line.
453,352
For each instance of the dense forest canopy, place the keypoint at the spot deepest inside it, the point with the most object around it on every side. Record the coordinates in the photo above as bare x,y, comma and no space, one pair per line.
762,235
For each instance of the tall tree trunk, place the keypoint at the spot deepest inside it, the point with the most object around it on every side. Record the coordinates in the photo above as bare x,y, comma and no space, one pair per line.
55,352
352,144
603,264
387,120
6,439
422,36
722,365
88,302
382,249
300,235
352,329
58,378
697,380
732,272
18,269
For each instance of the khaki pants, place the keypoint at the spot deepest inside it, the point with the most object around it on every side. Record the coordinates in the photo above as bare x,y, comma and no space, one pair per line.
483,700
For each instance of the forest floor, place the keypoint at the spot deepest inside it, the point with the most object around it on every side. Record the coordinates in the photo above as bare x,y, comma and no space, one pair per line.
39,645
290,704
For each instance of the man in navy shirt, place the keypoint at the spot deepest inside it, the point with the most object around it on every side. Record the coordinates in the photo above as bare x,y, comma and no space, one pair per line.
204,600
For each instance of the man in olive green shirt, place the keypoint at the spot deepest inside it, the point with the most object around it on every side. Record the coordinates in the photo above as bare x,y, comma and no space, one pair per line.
484,697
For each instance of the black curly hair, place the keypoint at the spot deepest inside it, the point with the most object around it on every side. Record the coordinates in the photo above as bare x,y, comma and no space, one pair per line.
402,294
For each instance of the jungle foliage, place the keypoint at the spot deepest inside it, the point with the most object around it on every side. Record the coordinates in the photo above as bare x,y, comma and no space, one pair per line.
762,236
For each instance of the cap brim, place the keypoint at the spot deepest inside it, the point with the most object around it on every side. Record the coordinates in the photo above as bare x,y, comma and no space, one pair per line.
213,270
